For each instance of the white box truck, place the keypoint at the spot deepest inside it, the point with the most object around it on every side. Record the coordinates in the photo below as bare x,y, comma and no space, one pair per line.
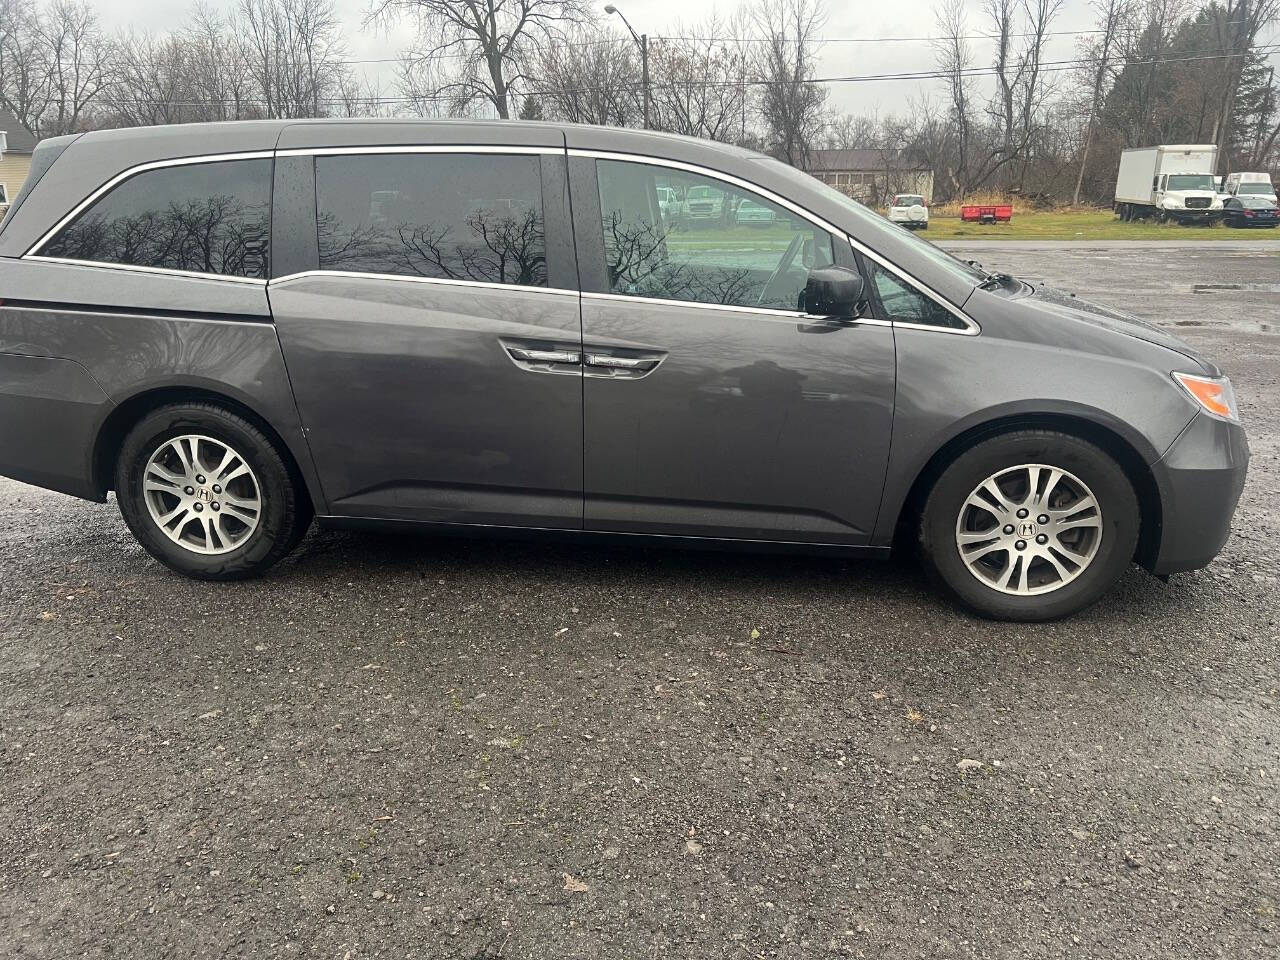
1170,182
1254,184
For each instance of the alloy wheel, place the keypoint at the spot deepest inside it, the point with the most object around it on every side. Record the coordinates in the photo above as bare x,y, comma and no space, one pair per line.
202,494
1029,529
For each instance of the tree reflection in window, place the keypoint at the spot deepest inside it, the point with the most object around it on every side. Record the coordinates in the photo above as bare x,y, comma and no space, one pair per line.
452,217
205,218
680,236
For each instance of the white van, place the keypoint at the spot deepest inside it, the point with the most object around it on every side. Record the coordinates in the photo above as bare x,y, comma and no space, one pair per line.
1252,184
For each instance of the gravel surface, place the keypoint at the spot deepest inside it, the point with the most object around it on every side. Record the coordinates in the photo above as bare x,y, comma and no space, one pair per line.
404,747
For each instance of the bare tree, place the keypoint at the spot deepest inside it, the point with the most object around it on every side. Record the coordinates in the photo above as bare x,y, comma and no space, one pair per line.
491,41
592,77
702,79
217,54
295,54
955,60
1111,15
150,82
24,79
357,97
1040,15
849,132
71,55
1002,18
791,102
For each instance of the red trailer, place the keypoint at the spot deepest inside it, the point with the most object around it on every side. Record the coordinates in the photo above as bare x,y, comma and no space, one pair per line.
986,212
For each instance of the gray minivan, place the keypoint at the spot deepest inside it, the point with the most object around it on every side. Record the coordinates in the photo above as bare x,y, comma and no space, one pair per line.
498,327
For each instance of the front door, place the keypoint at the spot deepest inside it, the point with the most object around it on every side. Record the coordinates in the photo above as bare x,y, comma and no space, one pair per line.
713,406
434,351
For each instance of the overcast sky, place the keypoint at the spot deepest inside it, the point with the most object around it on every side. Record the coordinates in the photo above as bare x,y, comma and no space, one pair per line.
849,19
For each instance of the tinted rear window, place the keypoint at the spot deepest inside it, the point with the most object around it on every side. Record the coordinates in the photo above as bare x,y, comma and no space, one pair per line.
200,217
442,216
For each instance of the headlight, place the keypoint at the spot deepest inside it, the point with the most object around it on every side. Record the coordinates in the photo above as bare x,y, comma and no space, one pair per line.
1213,394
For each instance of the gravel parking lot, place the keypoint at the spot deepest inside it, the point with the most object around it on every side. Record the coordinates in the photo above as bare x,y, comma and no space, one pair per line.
405,747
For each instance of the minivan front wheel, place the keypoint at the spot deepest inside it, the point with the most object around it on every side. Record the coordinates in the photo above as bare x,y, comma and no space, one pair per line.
1030,525
207,493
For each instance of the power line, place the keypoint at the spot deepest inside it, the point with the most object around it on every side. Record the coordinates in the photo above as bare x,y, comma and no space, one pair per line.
821,41
1050,66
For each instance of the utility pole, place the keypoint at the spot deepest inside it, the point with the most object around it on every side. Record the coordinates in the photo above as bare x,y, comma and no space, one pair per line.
642,41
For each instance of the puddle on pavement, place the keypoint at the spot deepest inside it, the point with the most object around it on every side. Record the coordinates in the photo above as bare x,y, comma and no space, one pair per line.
1245,287
1258,326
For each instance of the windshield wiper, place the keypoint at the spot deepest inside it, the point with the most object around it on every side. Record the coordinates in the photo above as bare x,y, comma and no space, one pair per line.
994,280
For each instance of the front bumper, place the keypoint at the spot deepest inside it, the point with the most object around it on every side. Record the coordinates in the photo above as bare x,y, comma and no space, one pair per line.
1200,479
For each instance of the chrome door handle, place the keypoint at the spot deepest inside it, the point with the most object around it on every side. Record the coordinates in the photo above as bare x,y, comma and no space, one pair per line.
619,363
544,356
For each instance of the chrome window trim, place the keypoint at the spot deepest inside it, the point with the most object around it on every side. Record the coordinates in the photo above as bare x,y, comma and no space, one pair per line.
138,268
714,175
486,148
134,171
971,327
442,281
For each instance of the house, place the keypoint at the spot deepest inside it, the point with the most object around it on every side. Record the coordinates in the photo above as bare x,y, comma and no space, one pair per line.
16,146
871,176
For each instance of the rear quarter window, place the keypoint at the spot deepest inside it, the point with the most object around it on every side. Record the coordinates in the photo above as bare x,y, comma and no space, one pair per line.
209,218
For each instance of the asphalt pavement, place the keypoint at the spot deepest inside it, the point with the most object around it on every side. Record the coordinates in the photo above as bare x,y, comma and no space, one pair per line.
422,748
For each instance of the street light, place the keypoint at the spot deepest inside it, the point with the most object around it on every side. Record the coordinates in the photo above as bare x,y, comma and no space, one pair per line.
642,41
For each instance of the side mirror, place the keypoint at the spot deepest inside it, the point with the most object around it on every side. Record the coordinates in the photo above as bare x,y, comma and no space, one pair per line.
833,292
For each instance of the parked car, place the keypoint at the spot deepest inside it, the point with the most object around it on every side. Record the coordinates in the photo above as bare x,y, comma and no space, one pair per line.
1247,210
237,341
909,210
703,204
753,214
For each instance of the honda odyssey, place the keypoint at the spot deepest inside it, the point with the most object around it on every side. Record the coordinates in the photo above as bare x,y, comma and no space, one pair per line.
466,326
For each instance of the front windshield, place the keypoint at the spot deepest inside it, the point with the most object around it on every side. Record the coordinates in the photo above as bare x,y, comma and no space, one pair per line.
1190,181
1263,188
875,224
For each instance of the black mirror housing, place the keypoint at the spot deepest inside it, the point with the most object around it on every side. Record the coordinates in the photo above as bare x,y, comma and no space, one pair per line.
833,292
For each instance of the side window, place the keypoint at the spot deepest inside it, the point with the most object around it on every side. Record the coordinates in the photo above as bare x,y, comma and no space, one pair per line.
445,216
904,303
681,236
200,217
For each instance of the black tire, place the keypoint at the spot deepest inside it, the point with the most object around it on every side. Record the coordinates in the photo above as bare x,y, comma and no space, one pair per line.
286,509
1121,519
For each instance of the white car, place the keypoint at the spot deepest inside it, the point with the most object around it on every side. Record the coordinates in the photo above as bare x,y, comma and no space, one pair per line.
668,204
909,210
755,214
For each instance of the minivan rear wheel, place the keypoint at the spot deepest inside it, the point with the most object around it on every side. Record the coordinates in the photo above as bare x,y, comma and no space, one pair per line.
1030,525
207,493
